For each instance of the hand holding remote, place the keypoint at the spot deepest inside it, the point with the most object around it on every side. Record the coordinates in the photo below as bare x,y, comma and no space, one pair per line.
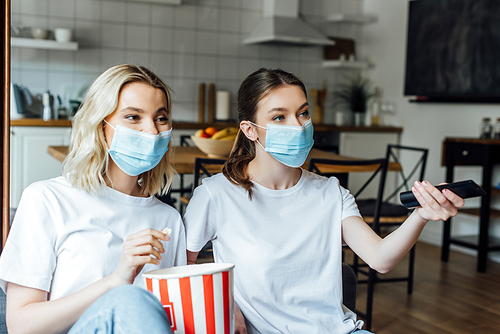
435,204
464,189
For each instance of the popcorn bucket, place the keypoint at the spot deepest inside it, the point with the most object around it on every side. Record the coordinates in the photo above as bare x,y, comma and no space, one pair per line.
197,298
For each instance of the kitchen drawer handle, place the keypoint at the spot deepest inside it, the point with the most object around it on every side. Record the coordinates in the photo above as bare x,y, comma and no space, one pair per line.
465,152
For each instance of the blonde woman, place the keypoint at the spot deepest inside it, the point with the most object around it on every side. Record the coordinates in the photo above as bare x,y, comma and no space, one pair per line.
79,242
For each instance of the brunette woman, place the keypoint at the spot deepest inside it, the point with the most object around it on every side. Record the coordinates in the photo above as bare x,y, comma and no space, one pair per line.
282,226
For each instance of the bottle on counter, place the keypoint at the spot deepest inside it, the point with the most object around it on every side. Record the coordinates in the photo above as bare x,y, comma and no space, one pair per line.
47,106
497,129
485,128
375,112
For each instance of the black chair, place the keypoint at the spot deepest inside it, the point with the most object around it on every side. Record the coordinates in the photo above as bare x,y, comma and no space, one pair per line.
392,214
182,190
371,169
185,141
203,167
349,287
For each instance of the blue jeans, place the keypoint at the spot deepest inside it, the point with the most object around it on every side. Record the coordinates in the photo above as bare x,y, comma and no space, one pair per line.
126,309
361,331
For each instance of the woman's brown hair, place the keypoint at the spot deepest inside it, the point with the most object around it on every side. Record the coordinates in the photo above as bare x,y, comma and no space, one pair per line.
253,89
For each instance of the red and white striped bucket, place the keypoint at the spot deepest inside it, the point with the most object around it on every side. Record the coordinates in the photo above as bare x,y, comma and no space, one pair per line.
197,298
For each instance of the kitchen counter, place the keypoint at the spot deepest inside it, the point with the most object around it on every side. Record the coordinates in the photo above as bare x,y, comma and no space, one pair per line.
217,125
40,122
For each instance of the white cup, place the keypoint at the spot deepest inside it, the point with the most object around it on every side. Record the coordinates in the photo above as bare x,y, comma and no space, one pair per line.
62,35
339,118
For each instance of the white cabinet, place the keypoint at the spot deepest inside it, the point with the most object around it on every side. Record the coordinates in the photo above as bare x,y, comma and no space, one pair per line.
368,145
29,160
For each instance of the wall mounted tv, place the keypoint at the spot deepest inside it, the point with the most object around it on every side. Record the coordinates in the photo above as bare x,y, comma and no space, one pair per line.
453,51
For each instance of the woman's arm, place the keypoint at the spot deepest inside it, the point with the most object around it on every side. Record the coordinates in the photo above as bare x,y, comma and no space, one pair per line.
383,254
29,311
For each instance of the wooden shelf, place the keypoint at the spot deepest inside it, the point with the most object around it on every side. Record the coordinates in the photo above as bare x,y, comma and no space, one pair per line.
494,213
351,18
163,2
42,44
344,64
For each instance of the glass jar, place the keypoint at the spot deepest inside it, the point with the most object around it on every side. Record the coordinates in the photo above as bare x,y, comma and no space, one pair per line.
497,129
485,128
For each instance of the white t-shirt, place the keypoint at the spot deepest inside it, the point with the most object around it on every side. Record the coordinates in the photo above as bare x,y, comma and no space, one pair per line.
286,246
64,239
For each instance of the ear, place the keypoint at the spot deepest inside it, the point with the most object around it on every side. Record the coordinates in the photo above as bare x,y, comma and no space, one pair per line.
248,130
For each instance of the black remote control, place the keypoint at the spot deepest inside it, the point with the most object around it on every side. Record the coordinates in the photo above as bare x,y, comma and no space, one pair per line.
464,189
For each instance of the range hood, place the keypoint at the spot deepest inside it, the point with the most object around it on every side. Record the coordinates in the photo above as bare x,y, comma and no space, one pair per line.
281,25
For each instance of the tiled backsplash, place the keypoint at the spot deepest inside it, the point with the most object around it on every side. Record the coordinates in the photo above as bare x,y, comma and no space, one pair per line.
199,41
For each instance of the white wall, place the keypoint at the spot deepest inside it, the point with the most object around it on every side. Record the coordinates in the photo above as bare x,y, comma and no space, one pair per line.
199,41
425,125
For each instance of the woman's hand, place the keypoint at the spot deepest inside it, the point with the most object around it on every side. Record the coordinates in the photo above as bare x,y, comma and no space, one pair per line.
139,248
239,321
435,204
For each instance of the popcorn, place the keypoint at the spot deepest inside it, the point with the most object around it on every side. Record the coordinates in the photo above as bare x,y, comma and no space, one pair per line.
167,231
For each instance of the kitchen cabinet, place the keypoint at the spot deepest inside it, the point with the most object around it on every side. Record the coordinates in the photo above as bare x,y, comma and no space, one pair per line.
368,145
29,160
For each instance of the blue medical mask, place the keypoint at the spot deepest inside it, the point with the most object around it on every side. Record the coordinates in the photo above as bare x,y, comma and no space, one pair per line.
290,145
136,152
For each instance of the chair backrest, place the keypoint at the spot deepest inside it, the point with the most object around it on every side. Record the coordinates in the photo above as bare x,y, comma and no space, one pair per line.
206,167
413,161
343,168
186,140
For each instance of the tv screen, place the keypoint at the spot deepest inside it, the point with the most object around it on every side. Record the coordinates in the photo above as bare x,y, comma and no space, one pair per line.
453,51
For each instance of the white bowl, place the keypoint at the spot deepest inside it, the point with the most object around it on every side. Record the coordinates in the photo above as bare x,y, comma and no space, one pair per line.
39,33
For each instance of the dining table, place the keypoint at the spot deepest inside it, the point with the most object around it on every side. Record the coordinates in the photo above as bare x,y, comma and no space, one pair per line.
185,156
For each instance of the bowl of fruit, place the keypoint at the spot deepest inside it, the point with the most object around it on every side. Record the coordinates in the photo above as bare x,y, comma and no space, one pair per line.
215,143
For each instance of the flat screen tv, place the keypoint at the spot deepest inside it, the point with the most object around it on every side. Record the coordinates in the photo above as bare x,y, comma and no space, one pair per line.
453,51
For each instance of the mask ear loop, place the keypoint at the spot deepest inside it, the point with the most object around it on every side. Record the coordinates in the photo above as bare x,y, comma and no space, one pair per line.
109,124
258,140
106,167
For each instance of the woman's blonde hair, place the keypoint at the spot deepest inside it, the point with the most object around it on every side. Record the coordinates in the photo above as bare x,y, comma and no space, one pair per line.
87,162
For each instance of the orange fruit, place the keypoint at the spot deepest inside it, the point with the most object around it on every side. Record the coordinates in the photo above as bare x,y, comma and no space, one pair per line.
210,131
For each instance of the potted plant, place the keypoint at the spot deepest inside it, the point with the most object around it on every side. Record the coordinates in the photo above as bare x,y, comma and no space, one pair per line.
355,92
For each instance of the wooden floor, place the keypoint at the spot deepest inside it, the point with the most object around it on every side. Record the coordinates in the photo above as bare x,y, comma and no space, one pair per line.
447,297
